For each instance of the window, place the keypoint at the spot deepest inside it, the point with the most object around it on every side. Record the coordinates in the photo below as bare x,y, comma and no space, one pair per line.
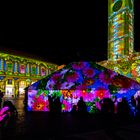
42,71
22,68
9,67
9,81
33,70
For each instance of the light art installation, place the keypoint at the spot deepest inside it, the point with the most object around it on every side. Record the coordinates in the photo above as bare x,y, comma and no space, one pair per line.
120,28
20,69
121,55
87,79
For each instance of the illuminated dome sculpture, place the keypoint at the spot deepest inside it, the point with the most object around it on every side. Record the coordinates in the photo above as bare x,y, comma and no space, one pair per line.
87,79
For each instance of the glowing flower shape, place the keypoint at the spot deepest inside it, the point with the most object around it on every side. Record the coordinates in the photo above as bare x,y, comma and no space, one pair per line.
88,72
136,69
88,82
134,72
101,93
39,105
81,87
32,94
58,85
50,84
63,71
90,97
106,76
84,94
135,85
66,106
137,94
66,85
30,102
98,105
72,77
122,91
55,77
124,67
69,94
79,65
64,93
76,94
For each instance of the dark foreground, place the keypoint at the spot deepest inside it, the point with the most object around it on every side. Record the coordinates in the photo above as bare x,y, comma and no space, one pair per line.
41,125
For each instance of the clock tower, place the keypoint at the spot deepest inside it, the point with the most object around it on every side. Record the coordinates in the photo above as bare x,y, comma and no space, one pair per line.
120,28
121,56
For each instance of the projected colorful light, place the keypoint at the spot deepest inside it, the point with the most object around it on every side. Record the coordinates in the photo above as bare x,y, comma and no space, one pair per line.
120,28
18,70
121,55
86,79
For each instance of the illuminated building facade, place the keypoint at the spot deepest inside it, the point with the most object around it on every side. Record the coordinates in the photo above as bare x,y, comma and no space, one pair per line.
17,72
121,55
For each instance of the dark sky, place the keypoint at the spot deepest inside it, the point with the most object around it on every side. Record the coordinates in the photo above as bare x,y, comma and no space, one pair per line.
62,33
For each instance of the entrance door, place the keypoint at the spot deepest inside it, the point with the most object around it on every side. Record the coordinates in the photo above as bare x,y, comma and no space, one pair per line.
9,91
9,88
22,85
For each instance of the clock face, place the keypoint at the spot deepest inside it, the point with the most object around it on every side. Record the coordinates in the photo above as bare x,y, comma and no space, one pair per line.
117,5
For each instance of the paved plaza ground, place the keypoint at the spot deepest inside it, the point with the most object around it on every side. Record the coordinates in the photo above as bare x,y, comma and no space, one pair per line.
41,125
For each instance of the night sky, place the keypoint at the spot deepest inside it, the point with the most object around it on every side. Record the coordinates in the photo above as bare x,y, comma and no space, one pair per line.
62,33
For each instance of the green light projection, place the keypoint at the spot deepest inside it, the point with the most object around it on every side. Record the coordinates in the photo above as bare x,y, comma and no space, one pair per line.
120,28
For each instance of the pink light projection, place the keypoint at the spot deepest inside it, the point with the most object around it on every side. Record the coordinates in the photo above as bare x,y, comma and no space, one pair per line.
87,79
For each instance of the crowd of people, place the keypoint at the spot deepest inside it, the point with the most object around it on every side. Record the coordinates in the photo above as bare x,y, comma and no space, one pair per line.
121,107
55,105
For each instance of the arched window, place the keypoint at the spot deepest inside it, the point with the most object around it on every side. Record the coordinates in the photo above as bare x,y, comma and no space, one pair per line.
33,69
43,71
9,67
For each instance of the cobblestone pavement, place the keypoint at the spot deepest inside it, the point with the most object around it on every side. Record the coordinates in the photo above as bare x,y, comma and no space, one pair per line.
42,125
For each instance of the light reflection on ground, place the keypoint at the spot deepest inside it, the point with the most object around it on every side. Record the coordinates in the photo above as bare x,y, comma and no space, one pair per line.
33,125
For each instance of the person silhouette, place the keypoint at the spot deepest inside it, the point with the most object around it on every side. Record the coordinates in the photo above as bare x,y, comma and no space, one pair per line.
1,98
57,105
74,109
13,110
82,108
51,106
123,109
